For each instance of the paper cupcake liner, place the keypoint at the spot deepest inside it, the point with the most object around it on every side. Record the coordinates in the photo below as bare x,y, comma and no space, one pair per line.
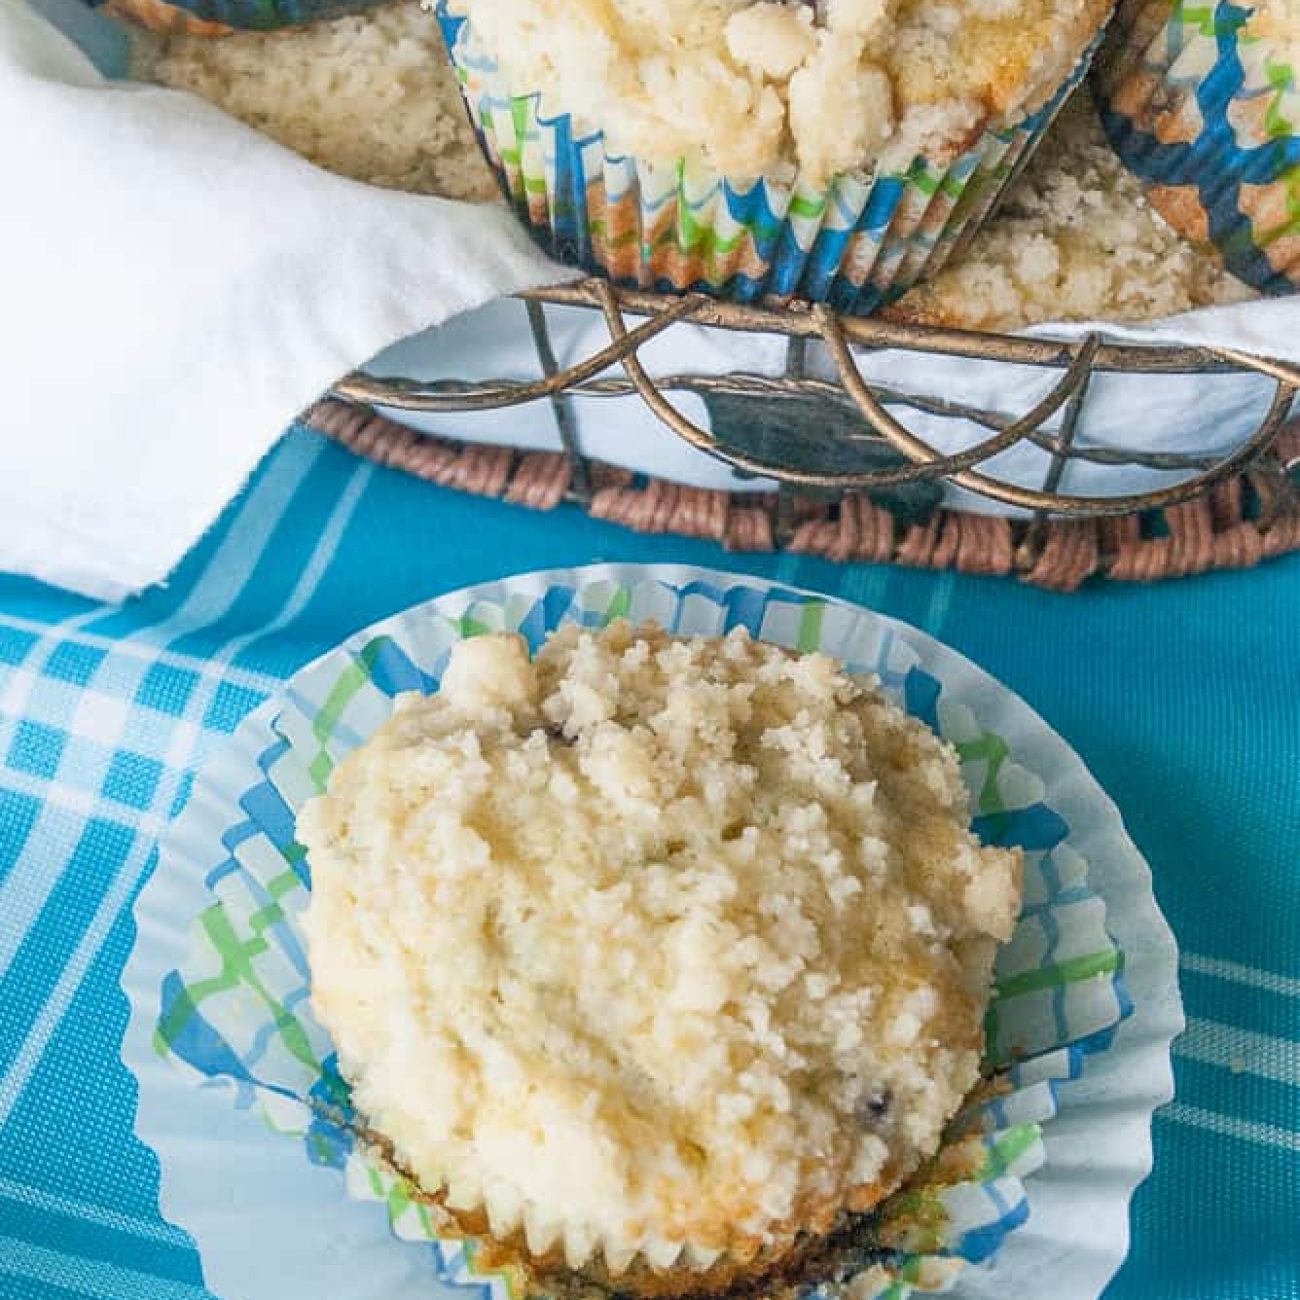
1206,116
858,243
234,1014
223,17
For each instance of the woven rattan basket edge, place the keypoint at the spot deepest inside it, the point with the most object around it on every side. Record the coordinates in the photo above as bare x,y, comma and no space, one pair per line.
1240,522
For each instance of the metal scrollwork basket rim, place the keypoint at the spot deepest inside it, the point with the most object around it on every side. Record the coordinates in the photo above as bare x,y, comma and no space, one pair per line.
913,458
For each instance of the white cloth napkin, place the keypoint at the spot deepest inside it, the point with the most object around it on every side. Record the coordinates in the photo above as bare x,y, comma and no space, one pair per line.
177,288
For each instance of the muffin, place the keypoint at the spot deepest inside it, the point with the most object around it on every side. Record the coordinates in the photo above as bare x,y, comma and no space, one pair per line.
367,95
1074,238
651,959
1201,104
762,148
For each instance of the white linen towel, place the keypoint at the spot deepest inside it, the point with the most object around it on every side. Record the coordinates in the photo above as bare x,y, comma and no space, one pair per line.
176,288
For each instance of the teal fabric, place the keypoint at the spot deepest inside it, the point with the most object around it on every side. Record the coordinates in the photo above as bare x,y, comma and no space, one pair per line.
1184,699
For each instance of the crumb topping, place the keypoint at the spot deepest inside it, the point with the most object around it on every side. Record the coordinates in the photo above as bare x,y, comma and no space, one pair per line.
650,943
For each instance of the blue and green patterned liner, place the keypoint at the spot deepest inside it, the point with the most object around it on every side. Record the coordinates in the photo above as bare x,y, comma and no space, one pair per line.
1207,116
858,243
236,1013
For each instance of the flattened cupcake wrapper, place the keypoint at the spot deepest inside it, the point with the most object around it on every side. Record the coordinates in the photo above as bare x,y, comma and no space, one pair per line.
236,1013
224,17
857,244
1209,121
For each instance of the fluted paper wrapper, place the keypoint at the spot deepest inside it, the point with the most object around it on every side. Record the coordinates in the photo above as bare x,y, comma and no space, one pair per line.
1207,116
241,1096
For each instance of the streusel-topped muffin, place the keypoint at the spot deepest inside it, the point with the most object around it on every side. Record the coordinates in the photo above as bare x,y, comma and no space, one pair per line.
827,149
650,957
753,85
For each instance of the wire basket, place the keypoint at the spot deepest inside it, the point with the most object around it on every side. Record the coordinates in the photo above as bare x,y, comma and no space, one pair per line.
839,457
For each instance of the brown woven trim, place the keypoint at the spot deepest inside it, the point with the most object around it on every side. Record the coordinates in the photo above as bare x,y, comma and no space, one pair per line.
166,19
1213,532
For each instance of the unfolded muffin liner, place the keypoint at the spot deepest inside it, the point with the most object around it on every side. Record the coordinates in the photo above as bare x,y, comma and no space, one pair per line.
1207,117
857,243
227,1023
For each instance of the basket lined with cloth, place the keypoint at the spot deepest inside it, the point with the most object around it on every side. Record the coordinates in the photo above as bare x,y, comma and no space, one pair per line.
810,431
1075,235
286,305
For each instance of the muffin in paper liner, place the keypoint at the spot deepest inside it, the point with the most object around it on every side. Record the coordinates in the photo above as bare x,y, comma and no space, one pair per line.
857,243
235,1013
1206,113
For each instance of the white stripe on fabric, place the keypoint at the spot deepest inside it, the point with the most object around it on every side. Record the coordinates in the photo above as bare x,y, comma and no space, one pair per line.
88,1277
1240,1050
93,712
128,876
96,1214
19,685
1253,976
220,584
1268,1135
84,803
24,891
246,677
222,581
51,842
864,584
940,603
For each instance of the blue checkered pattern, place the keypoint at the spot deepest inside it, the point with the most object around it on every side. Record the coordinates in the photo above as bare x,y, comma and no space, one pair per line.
1183,698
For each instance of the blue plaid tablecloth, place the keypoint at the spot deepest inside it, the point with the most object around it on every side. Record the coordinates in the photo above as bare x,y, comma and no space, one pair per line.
1183,698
